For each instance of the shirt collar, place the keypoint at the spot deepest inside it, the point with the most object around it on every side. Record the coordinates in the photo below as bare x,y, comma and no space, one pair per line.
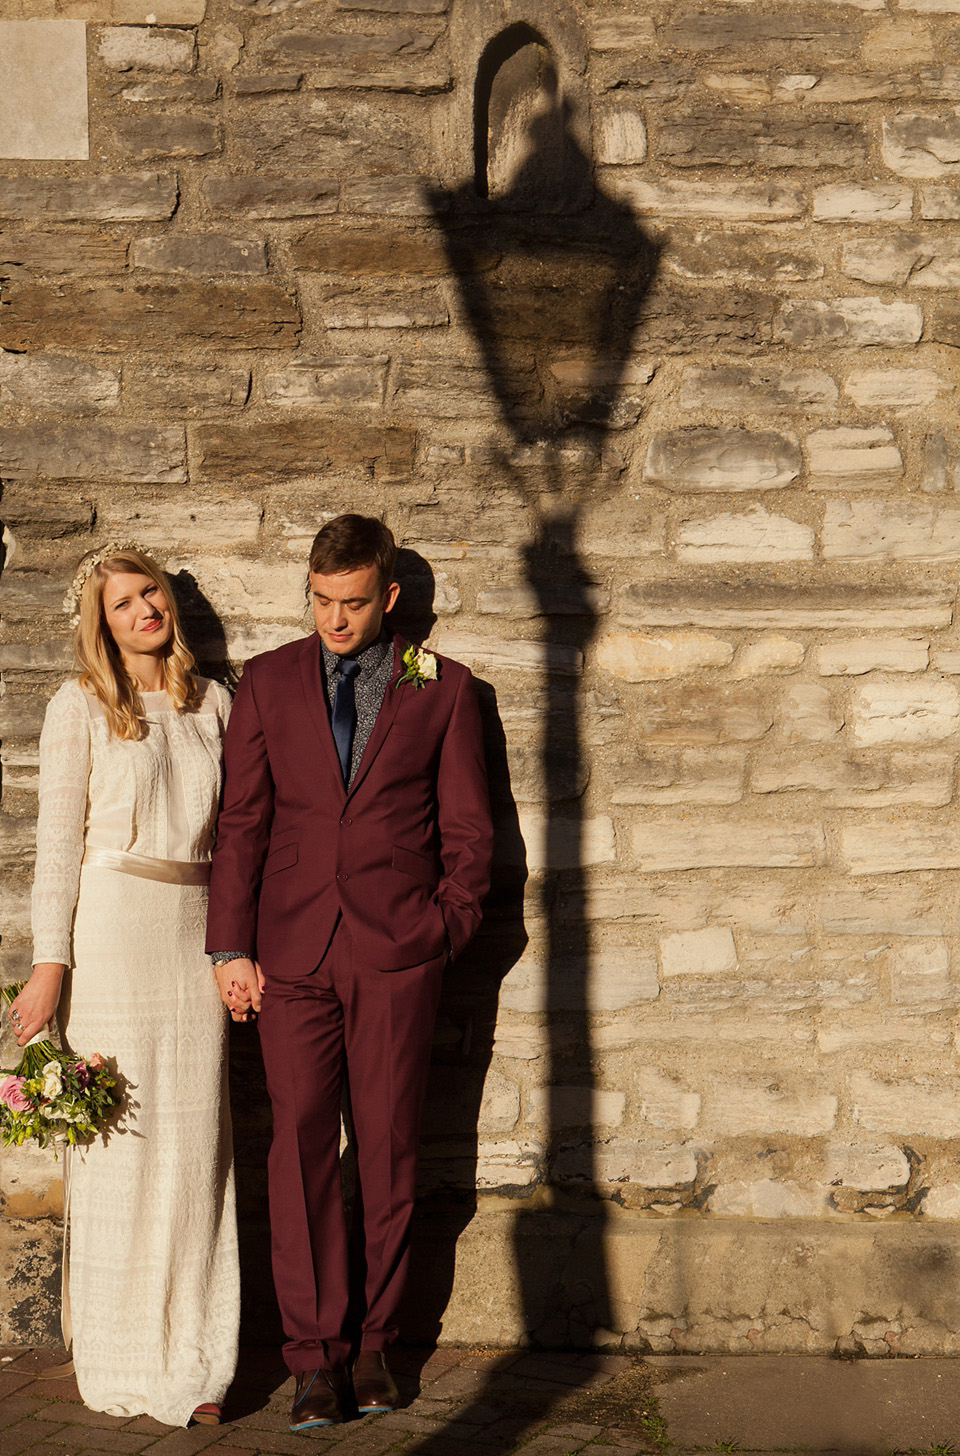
370,659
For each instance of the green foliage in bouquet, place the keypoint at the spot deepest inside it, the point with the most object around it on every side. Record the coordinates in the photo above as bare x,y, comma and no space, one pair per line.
53,1096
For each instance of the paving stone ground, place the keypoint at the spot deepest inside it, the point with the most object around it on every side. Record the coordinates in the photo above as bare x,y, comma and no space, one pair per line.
492,1403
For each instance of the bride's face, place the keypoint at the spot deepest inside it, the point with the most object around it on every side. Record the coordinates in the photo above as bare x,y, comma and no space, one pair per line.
137,614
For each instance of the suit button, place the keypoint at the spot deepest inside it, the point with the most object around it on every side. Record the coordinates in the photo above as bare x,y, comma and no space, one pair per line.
346,821
343,875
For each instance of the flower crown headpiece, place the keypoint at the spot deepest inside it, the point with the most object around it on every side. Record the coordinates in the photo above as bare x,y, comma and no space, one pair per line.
71,602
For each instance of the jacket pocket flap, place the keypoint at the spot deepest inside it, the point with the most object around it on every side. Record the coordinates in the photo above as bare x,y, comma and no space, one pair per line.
420,866
280,859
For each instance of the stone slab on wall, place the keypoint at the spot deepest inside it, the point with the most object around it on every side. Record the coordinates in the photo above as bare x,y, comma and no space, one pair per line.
43,89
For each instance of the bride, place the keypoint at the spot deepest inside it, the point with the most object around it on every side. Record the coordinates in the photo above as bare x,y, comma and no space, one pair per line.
129,787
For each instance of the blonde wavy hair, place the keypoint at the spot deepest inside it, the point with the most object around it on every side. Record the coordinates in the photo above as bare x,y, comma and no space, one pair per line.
102,669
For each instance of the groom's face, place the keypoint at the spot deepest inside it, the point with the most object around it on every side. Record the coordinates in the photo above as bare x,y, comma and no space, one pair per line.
348,607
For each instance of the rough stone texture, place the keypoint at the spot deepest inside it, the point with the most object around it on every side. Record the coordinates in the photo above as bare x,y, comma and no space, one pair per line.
701,557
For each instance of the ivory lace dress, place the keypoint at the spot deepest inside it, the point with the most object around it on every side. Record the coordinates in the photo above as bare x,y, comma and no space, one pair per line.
151,1290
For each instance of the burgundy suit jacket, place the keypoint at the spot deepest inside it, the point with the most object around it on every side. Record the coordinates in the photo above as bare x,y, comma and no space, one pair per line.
404,856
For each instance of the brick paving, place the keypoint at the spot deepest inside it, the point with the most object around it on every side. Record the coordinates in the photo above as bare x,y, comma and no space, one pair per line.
454,1403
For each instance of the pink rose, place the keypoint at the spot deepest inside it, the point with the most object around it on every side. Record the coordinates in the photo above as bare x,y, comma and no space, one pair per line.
96,1062
11,1092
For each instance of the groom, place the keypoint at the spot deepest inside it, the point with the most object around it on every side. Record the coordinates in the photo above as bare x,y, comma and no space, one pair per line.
353,851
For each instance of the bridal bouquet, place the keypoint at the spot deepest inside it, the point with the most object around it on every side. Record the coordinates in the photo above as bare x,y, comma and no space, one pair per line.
52,1096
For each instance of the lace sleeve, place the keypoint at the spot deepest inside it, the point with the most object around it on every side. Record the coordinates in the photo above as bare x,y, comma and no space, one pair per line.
64,775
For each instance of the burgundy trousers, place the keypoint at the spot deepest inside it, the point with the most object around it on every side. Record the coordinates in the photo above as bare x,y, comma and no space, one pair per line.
374,1028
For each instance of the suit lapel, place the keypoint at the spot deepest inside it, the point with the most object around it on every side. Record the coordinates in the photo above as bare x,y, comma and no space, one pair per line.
389,709
311,679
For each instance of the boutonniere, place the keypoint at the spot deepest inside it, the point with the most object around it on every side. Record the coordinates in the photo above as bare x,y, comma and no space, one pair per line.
420,667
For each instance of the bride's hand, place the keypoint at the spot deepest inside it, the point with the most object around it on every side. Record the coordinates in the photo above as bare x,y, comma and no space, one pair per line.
36,1006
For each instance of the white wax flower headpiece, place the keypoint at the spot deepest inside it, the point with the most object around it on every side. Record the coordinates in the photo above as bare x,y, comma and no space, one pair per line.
71,602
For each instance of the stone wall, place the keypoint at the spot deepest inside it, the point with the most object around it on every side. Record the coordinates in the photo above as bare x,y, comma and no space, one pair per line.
675,467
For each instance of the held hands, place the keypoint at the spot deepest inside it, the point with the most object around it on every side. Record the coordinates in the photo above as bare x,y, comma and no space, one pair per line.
36,1006
241,987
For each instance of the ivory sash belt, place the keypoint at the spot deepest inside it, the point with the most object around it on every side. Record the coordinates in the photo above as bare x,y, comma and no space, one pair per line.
171,871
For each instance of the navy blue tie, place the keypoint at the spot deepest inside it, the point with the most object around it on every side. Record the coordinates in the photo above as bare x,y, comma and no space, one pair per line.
345,713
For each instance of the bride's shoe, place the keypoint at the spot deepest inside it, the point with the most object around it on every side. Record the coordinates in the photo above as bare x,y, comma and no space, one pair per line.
206,1415
56,1372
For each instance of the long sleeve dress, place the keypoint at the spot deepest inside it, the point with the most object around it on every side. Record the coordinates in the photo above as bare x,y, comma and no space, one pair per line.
151,1289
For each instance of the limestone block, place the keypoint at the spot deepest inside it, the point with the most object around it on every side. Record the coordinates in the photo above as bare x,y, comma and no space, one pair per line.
136,12
640,658
922,259
707,952
241,588
944,323
480,652
613,978
921,146
337,382
623,1161
921,1104
857,655
732,201
261,196
705,458
174,135
391,196
684,776
324,44
135,197
211,253
455,389
43,89
500,1106
680,844
270,450
551,600
853,456
756,603
743,1107
559,844
21,715
132,48
189,388
148,315
752,535
894,388
94,452
807,710
767,1198
57,382
704,715
747,257
745,87
576,1106
218,521
759,34
941,202
920,974
381,252
679,320
756,389
941,464
877,530
620,135
729,138
841,202
883,848
664,1102
621,31
63,252
810,323
887,909
509,1164
771,653
268,81
862,782
943,1202
905,712
362,306
871,1169
945,660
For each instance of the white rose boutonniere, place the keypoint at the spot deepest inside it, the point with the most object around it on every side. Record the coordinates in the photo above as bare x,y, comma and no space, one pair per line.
420,667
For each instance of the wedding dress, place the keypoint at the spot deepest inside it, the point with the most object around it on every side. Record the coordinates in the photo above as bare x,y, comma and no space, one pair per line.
151,1288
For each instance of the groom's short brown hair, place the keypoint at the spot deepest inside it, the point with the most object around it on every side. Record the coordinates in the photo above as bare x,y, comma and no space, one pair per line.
350,541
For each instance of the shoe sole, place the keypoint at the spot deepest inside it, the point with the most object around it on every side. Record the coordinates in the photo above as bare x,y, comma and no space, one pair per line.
375,1410
311,1425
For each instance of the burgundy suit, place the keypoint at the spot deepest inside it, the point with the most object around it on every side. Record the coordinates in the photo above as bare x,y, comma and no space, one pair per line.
353,900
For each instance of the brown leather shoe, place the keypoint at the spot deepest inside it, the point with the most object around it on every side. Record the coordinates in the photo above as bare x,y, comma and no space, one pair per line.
318,1400
373,1385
